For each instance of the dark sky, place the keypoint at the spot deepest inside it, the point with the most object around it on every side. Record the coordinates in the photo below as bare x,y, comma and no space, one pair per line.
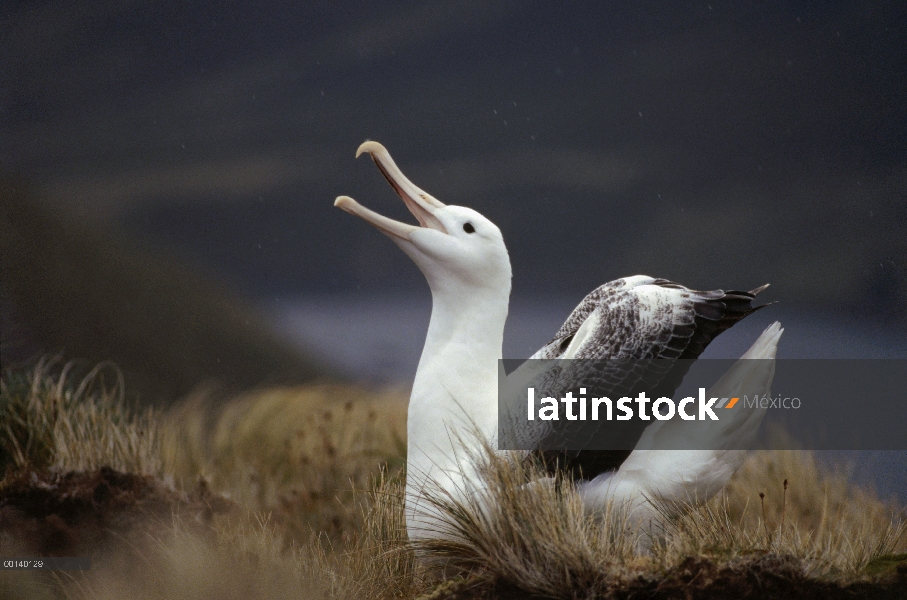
717,144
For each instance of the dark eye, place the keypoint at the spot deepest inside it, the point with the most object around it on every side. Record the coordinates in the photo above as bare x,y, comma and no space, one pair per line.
468,228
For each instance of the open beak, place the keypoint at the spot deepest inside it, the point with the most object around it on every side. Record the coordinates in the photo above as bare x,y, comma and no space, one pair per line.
420,203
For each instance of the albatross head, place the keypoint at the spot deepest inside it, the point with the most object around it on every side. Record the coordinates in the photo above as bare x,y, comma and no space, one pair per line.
451,245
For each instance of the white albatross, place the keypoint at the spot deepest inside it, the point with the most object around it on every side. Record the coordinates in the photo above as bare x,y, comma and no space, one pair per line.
464,259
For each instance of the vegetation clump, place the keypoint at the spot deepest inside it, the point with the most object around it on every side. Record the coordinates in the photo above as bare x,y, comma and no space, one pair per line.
299,492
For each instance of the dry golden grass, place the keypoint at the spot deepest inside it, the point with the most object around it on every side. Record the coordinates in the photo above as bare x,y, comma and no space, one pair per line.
317,473
808,511
537,538
46,421
298,453
245,557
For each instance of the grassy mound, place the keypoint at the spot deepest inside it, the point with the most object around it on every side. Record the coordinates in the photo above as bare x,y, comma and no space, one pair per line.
297,492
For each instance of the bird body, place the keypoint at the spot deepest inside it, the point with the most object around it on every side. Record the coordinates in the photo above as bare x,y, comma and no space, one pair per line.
465,261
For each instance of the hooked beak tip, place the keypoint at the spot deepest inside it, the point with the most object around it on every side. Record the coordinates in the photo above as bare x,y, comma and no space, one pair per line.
371,148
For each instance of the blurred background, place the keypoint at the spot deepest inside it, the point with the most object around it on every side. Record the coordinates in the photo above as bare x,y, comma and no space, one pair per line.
167,173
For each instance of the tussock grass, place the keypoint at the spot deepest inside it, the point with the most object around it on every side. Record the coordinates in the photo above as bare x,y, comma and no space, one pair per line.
532,537
537,539
380,563
299,453
248,556
245,557
317,472
808,511
47,420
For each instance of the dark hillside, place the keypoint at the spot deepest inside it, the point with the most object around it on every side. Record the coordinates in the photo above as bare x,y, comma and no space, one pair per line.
90,294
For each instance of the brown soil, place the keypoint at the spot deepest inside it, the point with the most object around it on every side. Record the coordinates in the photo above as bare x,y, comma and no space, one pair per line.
769,576
45,513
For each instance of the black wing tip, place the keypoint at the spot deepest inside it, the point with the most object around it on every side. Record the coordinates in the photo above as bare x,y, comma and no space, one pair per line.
759,290
755,292
715,315
761,306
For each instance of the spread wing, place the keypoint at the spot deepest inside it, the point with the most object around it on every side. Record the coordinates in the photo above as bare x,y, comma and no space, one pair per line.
635,334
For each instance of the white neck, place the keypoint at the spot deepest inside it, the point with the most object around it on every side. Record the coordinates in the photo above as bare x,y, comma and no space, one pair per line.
455,390
461,353
471,321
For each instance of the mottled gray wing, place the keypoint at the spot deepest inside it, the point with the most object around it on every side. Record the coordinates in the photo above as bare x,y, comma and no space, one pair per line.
633,334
